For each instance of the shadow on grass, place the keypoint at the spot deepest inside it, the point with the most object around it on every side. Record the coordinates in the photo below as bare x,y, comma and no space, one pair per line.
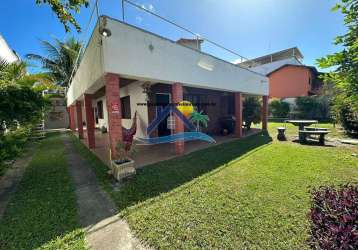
162,177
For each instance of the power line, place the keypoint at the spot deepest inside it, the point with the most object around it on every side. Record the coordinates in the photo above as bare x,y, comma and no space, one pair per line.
74,68
183,28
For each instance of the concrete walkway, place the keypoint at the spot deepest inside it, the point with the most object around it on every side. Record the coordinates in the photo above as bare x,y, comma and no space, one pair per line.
10,180
104,229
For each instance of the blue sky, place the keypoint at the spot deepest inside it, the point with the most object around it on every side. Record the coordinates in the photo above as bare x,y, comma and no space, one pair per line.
250,27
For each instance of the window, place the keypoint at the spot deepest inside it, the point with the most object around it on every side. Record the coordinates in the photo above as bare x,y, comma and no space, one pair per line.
126,107
197,100
100,109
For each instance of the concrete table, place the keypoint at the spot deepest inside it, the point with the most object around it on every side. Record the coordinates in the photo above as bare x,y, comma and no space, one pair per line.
302,123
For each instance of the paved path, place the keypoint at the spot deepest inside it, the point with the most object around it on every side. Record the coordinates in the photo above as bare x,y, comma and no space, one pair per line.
104,229
10,180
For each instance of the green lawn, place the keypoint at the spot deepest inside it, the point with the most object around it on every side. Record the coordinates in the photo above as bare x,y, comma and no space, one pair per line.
42,214
292,130
247,194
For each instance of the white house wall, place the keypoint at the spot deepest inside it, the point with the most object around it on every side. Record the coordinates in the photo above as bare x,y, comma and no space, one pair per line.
102,122
89,72
135,91
132,52
6,53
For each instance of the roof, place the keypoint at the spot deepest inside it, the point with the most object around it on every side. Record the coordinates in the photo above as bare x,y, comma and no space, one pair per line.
276,56
312,68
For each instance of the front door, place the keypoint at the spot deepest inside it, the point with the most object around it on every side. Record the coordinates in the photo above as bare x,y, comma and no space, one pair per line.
162,100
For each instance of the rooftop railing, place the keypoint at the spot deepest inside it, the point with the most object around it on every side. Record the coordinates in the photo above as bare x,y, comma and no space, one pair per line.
146,18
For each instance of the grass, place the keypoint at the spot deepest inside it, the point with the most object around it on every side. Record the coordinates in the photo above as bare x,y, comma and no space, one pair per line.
292,130
42,214
246,194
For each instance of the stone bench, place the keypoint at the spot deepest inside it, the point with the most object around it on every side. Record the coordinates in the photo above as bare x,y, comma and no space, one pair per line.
315,129
281,133
304,133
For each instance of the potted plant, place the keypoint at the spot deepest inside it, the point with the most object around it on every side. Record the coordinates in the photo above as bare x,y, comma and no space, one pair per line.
123,166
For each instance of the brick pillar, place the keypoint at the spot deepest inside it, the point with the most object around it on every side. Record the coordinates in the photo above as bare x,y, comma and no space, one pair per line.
114,111
177,96
90,121
264,111
238,114
72,118
79,119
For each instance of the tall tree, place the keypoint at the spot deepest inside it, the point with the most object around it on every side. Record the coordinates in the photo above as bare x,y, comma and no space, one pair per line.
65,9
59,59
345,74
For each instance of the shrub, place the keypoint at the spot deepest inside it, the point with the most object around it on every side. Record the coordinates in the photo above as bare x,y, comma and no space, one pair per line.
313,107
346,115
334,217
279,109
12,143
251,111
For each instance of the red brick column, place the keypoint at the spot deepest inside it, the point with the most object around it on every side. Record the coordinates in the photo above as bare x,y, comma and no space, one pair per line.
72,118
238,114
114,111
90,121
264,112
79,119
177,96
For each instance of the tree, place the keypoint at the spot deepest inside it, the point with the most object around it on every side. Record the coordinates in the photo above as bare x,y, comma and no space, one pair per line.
64,10
279,109
19,103
344,76
313,107
251,111
199,118
59,60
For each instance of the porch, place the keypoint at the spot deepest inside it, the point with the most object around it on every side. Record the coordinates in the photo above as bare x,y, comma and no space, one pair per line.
150,154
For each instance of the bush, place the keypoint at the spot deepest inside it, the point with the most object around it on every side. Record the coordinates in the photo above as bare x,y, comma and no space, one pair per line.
251,111
313,107
11,144
347,116
334,216
279,109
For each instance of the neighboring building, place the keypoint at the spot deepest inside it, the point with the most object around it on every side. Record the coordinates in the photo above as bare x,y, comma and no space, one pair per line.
191,43
291,80
125,72
57,115
6,53
288,76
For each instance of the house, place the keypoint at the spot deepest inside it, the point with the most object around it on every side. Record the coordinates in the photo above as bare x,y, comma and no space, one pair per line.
289,78
127,70
57,115
6,53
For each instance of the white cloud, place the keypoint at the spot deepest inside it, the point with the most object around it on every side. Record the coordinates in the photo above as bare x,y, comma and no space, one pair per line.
148,6
139,19
238,60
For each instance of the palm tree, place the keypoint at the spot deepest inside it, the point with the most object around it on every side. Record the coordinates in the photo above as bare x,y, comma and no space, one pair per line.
199,118
60,59
12,72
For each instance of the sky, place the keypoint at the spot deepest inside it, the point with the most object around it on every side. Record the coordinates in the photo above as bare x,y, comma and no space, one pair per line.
251,28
